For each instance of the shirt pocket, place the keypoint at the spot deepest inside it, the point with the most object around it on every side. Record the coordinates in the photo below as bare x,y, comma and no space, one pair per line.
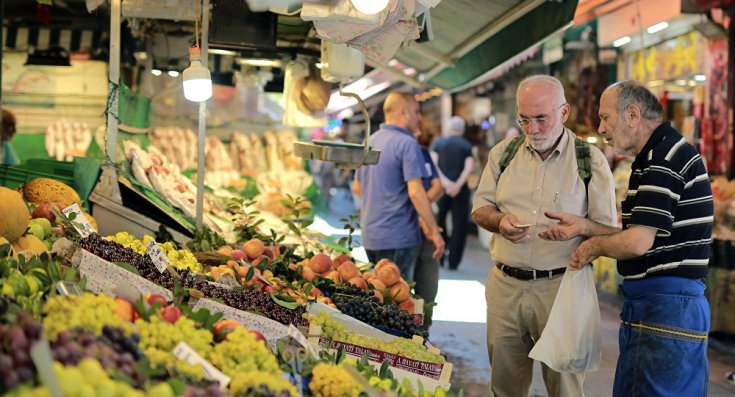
570,203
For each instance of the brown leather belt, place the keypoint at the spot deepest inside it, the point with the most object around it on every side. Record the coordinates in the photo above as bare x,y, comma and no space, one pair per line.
529,274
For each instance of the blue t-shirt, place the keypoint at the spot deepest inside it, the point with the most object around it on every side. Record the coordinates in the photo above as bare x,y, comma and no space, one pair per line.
452,151
9,156
387,217
430,168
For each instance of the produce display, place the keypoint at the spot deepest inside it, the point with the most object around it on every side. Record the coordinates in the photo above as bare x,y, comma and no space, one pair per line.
116,339
66,139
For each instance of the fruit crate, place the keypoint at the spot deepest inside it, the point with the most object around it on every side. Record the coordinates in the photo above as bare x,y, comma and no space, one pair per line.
13,176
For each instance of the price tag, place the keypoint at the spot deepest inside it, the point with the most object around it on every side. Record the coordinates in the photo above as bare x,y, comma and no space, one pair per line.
158,257
228,281
184,352
296,334
80,222
42,358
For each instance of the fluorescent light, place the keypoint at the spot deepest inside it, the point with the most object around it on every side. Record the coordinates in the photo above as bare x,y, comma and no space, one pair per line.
272,63
655,83
657,27
621,41
692,83
592,139
370,6
173,73
700,77
680,82
217,51
156,72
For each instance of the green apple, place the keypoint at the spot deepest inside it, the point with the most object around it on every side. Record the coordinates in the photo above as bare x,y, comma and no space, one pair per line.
36,230
45,224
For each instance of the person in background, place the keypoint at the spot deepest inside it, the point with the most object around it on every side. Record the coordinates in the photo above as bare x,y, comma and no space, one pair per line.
393,195
516,188
453,154
426,273
662,249
9,156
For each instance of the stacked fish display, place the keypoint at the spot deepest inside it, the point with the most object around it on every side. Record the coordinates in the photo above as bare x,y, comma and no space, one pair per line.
221,171
178,144
66,139
246,151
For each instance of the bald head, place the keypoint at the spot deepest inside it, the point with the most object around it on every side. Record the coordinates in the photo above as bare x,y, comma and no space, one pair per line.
550,86
402,109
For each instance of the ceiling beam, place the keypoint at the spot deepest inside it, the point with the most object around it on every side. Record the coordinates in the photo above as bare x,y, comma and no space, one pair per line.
486,32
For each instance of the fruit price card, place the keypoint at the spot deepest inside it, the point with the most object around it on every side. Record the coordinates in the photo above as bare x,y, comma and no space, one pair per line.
80,222
158,257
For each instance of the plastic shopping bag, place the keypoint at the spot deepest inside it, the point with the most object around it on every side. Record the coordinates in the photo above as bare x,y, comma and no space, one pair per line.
570,342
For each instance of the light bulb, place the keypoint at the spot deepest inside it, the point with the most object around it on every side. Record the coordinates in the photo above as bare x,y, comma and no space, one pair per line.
370,6
197,79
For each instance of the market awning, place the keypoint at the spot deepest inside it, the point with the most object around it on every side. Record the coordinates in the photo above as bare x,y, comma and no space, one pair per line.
473,37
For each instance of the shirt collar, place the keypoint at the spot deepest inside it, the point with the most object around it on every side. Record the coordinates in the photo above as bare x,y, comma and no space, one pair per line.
658,135
395,128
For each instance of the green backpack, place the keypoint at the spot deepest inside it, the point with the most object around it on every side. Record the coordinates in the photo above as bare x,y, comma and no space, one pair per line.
581,148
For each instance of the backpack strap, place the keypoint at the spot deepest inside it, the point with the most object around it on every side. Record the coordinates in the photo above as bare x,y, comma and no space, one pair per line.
584,160
510,152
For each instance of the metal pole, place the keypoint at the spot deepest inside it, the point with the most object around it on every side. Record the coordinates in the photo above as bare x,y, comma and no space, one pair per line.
107,185
202,117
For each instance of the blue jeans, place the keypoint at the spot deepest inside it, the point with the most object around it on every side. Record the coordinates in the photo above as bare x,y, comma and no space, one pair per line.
405,258
663,339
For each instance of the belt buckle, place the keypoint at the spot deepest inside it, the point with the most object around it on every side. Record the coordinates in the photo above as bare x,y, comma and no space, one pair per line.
534,274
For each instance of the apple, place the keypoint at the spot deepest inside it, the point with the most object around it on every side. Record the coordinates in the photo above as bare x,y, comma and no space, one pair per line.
258,335
253,248
44,210
44,223
124,310
170,314
154,298
358,281
223,327
320,263
35,230
348,270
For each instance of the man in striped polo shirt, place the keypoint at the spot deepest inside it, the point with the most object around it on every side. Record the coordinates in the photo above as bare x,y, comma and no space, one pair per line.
662,251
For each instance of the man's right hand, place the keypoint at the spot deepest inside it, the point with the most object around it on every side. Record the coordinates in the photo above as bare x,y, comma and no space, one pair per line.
569,227
436,238
509,229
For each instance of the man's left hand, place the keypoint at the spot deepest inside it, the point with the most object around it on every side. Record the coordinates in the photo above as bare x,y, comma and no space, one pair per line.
436,238
569,227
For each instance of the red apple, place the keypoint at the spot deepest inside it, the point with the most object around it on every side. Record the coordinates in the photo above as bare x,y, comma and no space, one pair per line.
44,210
170,314
154,298
223,327
258,335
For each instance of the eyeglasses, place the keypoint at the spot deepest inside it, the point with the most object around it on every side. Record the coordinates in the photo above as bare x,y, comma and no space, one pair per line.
540,121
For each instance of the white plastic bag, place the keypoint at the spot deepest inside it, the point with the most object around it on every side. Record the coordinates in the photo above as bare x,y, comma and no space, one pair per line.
571,339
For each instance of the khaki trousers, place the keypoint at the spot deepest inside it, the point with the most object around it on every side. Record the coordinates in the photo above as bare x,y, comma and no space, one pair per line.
517,312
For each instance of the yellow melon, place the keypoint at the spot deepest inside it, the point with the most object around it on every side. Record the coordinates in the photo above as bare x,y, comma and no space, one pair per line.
14,215
28,246
91,220
45,190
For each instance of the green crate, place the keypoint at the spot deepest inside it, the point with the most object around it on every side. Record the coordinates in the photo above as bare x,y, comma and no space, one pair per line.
14,176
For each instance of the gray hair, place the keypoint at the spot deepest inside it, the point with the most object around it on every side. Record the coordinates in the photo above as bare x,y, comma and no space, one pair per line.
631,92
546,79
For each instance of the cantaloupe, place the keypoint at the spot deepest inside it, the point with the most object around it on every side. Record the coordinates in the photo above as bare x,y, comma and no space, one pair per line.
14,215
45,190
91,220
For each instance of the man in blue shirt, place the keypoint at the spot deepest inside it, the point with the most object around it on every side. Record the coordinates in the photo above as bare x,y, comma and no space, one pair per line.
6,135
392,190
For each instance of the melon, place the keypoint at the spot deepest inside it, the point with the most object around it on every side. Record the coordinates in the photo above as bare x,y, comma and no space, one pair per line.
28,246
14,215
45,190
91,220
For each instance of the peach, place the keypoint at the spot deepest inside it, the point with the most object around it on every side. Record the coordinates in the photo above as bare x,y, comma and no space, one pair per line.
368,275
253,248
380,264
348,270
325,300
238,255
267,274
334,276
315,292
275,251
408,305
307,273
377,284
124,309
225,250
358,281
262,259
233,264
389,274
267,251
320,263
341,259
400,291
379,296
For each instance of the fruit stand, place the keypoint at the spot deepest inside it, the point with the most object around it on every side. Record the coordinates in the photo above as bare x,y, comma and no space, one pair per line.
257,317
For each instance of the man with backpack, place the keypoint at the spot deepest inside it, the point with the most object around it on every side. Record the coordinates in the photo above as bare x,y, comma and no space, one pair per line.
545,169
